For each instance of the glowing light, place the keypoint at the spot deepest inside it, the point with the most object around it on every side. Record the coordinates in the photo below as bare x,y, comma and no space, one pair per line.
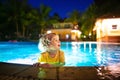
90,34
74,30
67,36
84,36
49,31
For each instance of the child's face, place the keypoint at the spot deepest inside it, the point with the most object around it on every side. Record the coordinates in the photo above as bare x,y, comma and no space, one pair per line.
55,42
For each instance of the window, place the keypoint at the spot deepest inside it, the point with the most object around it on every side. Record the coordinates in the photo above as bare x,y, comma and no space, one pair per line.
114,26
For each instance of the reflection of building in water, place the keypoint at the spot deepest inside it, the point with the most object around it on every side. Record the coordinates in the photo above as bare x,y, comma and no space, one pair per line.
99,53
85,46
108,28
108,53
102,53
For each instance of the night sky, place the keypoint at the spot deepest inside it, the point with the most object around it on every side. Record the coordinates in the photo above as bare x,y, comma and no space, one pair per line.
62,7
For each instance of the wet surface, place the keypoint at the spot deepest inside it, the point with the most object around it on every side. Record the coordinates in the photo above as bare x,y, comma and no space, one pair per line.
28,72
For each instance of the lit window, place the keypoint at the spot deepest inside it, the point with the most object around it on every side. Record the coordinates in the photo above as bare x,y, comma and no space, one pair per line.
114,26
67,36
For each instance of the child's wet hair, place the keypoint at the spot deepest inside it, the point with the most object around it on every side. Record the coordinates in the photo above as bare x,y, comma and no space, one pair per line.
45,40
49,36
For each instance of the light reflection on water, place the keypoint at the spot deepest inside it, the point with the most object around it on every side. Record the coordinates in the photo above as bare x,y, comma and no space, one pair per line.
91,53
76,53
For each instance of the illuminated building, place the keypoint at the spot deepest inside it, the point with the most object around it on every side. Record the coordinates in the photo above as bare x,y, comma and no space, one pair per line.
66,31
108,29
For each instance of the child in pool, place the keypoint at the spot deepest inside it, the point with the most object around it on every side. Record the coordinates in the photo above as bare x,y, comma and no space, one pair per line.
52,55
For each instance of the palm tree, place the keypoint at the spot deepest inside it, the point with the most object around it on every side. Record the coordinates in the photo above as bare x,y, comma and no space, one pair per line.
13,10
88,19
74,17
13,13
25,16
43,17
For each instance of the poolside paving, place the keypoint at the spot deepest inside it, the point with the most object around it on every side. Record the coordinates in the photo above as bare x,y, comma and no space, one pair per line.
9,71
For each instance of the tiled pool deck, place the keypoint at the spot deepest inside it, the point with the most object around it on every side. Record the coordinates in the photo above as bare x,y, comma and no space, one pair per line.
28,72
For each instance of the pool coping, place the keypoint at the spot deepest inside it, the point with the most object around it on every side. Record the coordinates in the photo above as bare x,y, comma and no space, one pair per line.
24,71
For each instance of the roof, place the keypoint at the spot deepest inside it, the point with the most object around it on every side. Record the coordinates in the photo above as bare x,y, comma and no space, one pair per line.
110,15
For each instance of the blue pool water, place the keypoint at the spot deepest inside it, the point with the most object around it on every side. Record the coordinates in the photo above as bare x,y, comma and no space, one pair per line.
76,53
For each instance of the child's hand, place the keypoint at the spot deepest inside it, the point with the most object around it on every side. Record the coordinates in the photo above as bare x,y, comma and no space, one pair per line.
42,65
36,64
46,65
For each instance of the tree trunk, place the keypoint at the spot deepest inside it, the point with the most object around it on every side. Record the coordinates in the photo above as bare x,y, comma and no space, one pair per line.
23,31
17,32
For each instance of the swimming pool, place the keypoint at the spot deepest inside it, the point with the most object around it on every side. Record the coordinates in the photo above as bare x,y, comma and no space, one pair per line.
76,53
